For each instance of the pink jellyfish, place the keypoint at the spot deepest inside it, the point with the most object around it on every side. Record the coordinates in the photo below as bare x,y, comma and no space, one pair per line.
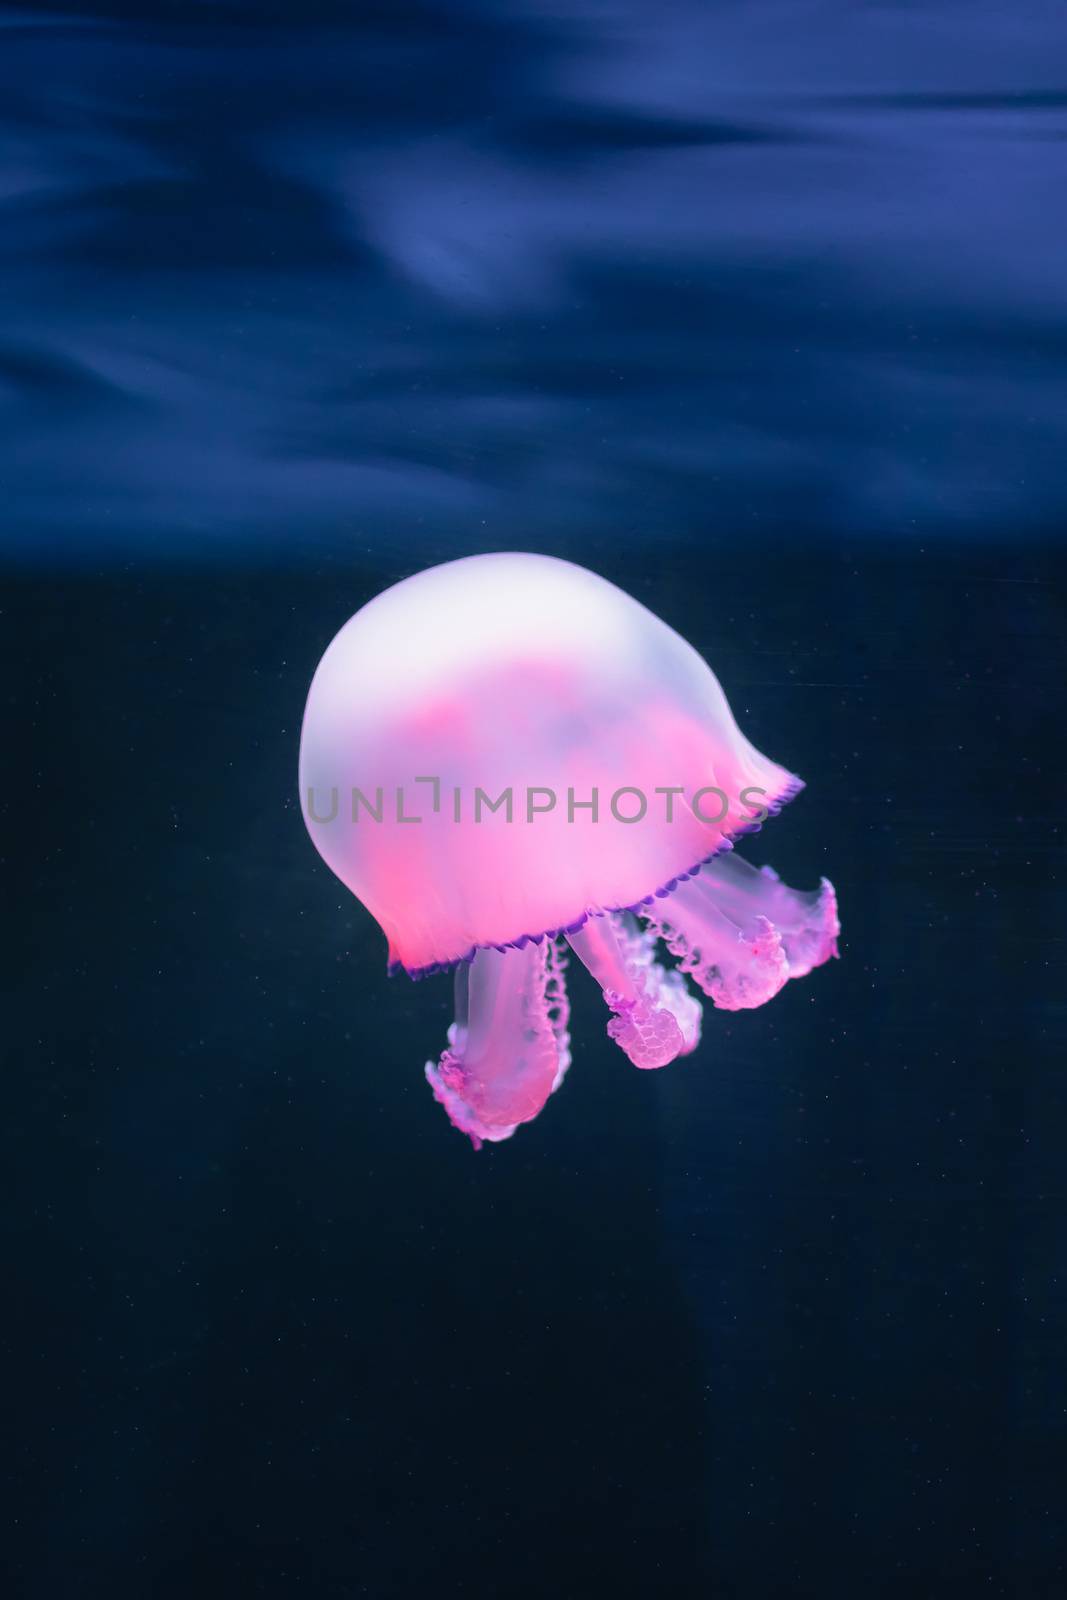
506,756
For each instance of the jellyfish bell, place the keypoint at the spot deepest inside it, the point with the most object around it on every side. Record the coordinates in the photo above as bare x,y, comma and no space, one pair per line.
507,751
525,686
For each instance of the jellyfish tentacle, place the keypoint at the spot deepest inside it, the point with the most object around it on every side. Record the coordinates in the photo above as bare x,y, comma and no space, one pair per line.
742,933
807,920
737,967
665,985
508,1047
557,1006
652,1023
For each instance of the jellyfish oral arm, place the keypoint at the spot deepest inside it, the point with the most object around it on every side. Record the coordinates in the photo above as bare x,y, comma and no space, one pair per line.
740,933
508,1048
655,1020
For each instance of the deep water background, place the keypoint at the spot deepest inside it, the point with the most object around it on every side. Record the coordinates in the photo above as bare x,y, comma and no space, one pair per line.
760,310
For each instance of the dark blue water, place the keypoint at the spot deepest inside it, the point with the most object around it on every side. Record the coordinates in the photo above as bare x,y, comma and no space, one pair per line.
758,309
452,271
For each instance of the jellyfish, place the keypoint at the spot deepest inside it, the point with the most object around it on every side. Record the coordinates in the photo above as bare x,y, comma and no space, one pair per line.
511,762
